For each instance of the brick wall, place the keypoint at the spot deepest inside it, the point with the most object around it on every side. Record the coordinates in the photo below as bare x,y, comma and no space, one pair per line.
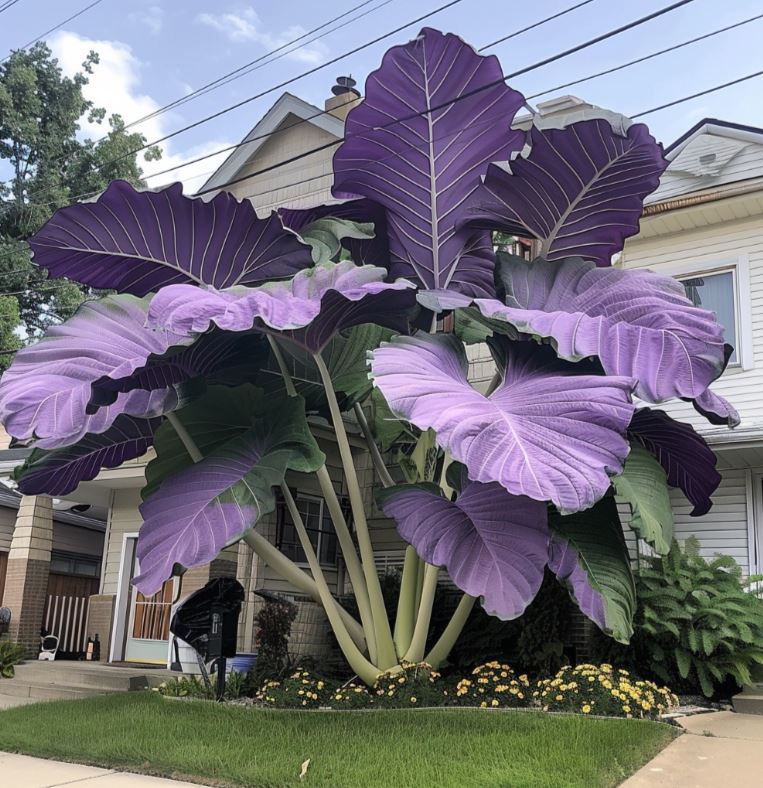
100,619
26,586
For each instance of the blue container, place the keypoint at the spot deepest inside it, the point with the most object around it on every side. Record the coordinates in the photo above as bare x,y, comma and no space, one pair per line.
242,663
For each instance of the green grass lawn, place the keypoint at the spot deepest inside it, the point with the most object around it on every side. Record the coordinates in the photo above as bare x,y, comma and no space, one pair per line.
228,745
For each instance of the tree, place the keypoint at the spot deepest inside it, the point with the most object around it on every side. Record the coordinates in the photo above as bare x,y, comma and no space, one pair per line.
216,308
40,115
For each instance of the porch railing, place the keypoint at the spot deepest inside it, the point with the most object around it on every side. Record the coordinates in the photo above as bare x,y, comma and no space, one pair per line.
66,618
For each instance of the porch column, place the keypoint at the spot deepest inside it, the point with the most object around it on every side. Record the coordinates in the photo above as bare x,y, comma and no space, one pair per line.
26,584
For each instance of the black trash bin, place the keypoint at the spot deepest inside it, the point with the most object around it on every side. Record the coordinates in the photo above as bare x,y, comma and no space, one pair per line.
208,621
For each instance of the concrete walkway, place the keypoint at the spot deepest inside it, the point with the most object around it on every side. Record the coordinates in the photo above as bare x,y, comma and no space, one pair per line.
718,749
21,771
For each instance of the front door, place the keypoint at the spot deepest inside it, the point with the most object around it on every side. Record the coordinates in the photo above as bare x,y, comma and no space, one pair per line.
148,624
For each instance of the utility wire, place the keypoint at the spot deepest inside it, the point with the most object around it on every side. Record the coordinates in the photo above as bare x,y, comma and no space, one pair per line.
54,28
647,57
6,6
572,50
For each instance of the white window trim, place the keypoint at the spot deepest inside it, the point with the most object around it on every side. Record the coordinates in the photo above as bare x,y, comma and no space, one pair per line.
322,502
740,268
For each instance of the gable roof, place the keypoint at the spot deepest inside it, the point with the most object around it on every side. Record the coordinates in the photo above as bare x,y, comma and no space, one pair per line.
287,104
722,128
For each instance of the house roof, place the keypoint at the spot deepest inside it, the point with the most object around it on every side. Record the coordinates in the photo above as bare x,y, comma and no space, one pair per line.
287,104
721,127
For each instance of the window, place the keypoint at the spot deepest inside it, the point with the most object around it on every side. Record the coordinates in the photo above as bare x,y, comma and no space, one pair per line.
716,292
318,525
70,564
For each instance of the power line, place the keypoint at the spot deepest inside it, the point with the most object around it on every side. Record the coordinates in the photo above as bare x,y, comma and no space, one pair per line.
647,57
572,50
535,24
54,28
697,95
6,6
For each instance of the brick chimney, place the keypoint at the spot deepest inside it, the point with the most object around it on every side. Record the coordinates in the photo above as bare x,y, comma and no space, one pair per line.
344,98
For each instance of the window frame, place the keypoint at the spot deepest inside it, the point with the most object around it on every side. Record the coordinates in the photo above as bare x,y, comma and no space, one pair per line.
739,267
281,519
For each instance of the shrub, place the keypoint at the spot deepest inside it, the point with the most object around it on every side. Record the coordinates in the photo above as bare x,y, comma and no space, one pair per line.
602,689
192,686
10,654
493,685
417,684
697,628
300,690
273,622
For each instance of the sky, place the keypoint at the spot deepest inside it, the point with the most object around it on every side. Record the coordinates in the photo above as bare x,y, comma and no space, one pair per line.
153,52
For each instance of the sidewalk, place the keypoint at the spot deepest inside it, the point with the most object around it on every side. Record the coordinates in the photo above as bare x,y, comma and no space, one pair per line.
21,771
721,748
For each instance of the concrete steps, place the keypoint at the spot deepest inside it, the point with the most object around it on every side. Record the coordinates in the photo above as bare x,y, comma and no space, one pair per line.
750,700
58,680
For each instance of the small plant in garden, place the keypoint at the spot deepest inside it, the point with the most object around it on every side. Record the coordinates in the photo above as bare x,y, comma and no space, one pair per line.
273,621
192,686
493,685
299,690
415,684
697,625
602,689
10,656
215,307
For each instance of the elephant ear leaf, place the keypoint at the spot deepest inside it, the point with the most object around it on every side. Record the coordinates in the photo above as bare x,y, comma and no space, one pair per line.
209,504
493,544
137,242
580,190
644,485
433,117
589,556
325,236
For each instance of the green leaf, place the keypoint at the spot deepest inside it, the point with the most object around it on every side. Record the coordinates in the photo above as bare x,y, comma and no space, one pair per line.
597,536
472,327
387,429
325,236
418,466
643,484
683,660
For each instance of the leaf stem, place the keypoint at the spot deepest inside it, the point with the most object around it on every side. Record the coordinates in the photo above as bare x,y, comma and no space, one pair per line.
376,457
415,651
384,643
365,669
447,640
185,437
406,603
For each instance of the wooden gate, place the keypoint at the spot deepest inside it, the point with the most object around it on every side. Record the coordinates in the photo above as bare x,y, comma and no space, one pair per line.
66,618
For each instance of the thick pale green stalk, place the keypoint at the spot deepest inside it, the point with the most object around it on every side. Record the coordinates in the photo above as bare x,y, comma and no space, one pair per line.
384,644
356,660
351,560
185,437
415,651
350,555
290,572
376,458
406,603
447,640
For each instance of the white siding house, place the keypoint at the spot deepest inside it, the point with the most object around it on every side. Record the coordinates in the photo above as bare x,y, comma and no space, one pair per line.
704,225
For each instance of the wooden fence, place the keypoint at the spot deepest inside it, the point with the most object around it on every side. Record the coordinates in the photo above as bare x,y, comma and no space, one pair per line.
66,618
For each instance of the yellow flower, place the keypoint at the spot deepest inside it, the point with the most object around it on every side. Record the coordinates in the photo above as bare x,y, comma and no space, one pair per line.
586,709
626,709
413,700
559,697
483,705
494,702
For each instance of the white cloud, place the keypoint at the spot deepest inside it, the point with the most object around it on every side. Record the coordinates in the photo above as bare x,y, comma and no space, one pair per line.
151,17
245,26
116,85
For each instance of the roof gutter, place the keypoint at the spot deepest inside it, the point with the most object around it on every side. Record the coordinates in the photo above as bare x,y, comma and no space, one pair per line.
723,193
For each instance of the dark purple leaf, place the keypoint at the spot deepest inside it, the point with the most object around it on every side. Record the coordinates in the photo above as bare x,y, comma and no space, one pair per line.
309,309
205,506
687,459
45,393
547,431
493,544
59,472
637,323
580,190
589,556
410,148
139,241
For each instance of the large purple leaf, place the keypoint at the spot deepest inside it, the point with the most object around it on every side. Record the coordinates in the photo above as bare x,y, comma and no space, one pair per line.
205,506
308,309
580,190
637,323
546,431
716,409
217,357
493,544
59,472
589,556
687,459
46,392
139,241
410,148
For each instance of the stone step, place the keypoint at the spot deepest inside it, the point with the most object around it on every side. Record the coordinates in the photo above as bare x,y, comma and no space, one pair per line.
43,691
80,675
750,700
